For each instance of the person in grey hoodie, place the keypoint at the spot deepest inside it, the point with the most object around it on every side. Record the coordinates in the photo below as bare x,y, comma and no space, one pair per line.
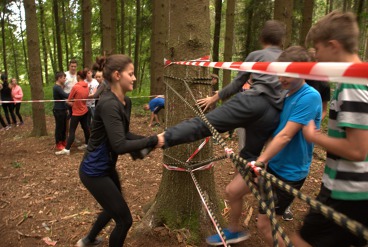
257,110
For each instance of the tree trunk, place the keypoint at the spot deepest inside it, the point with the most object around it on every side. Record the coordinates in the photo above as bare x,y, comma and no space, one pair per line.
307,20
87,39
331,6
113,25
4,44
43,40
137,39
177,203
14,51
106,27
49,48
122,26
130,40
58,35
158,45
229,39
283,11
35,75
216,36
19,5
66,43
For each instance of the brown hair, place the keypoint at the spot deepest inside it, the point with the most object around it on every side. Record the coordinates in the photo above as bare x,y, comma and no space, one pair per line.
82,74
72,61
342,27
273,33
59,74
110,64
294,54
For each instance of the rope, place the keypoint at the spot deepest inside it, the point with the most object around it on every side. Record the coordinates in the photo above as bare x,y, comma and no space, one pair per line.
340,219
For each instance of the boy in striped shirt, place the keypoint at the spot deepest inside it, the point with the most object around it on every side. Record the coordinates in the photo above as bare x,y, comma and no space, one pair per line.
345,180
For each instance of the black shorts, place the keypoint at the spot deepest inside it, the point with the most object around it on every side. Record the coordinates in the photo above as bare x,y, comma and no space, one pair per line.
157,109
282,198
317,230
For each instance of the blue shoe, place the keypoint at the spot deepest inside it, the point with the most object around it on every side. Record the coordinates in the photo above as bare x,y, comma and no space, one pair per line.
231,237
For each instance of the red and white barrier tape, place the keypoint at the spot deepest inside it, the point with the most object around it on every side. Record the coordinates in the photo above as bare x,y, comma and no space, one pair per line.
356,73
198,149
64,100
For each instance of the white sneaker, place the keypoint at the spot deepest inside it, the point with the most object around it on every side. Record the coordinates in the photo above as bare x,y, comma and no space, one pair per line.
62,152
82,147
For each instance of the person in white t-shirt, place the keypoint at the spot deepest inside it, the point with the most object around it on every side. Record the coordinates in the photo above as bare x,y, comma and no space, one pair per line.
70,81
92,87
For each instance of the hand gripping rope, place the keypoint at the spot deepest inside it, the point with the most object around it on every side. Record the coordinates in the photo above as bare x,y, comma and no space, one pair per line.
243,168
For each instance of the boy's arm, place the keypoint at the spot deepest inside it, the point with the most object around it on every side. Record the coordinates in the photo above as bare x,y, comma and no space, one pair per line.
354,147
280,141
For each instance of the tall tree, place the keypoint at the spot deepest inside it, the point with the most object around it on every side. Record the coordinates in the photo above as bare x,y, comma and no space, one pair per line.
113,25
229,39
216,35
137,40
19,5
283,11
3,16
106,27
177,203
55,8
65,32
87,37
158,41
122,26
35,72
307,20
14,51
43,40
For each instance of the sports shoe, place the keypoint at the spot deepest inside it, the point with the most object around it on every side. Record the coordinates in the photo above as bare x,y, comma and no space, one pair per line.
59,146
82,147
84,242
288,215
8,127
62,152
231,237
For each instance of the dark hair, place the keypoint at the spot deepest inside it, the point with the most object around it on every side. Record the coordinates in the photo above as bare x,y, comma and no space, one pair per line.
4,77
73,61
110,64
82,74
273,33
294,54
59,74
342,27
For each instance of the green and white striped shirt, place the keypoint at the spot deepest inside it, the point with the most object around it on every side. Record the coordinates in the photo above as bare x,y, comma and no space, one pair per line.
347,180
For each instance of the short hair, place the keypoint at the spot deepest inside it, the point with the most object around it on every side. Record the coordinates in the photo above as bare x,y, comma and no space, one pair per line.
4,77
59,74
294,54
339,26
146,107
73,61
110,64
273,33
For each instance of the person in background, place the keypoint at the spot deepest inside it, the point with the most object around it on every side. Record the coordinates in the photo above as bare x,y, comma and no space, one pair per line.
70,80
323,87
101,88
80,112
110,137
7,96
155,105
92,87
2,122
17,94
60,111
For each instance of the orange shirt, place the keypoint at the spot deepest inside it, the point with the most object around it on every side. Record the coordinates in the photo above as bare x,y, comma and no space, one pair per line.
79,91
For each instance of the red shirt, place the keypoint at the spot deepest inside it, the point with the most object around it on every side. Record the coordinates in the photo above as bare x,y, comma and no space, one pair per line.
79,91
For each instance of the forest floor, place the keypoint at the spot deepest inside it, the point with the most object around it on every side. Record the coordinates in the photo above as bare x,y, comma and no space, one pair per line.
42,196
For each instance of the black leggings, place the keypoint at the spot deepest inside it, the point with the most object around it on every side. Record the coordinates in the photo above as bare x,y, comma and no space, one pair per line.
9,107
60,125
73,127
107,191
17,111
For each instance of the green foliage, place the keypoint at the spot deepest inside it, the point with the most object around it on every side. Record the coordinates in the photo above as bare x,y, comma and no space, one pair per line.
16,164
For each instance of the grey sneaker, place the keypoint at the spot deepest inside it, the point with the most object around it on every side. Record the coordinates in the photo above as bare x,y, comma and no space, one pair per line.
84,242
288,215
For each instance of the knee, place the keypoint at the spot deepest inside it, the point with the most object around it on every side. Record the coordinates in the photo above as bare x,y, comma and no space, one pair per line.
231,193
125,221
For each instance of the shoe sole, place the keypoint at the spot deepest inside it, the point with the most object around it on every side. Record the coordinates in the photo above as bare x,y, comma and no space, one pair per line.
231,241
